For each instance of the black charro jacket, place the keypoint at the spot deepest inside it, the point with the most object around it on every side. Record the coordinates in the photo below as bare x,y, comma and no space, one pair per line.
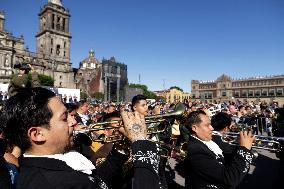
228,149
206,170
48,173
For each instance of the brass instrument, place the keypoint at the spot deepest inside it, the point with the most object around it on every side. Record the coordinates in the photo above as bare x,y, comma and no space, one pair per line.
261,142
165,150
108,139
240,127
90,132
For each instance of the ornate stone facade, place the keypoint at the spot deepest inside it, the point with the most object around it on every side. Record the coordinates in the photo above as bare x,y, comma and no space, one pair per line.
108,77
52,56
89,75
173,95
226,88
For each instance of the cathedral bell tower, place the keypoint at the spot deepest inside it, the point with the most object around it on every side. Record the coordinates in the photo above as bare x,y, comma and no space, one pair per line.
53,39
2,21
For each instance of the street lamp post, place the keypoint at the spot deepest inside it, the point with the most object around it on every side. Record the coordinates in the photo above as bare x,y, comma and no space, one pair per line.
105,75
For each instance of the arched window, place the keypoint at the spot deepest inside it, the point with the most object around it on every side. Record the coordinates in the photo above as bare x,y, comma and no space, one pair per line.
58,50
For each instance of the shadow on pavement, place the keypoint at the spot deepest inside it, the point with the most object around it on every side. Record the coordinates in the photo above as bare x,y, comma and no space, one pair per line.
265,174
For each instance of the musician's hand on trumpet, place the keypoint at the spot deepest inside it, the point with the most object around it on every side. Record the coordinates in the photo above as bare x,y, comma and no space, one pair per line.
246,139
134,126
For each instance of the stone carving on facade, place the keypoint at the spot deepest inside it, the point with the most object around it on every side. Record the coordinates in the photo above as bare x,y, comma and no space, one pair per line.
49,59
52,56
7,61
225,88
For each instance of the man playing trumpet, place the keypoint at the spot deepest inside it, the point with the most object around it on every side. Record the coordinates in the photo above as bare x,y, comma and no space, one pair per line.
205,163
36,121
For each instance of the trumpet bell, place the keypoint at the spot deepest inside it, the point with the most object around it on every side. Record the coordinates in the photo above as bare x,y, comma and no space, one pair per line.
183,150
261,142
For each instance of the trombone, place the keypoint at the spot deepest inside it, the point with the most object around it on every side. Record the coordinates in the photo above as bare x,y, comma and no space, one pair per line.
261,142
165,150
179,110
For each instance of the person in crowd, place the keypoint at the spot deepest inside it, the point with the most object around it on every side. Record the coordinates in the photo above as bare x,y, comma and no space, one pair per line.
114,139
72,110
242,111
139,105
5,177
221,123
64,98
140,108
110,108
82,142
11,156
96,108
11,153
21,79
70,99
225,110
260,121
248,110
205,164
250,119
232,109
193,108
96,113
82,117
36,121
186,103
233,113
1,96
75,98
109,134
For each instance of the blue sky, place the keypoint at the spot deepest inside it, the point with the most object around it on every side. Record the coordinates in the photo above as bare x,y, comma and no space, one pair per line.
168,41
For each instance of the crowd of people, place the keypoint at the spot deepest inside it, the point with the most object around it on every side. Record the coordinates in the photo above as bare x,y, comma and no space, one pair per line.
46,143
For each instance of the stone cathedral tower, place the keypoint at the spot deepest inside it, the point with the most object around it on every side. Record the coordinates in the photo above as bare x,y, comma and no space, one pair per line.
53,42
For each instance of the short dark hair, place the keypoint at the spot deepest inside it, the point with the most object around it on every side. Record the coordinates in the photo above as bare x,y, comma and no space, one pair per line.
220,121
111,105
194,118
81,103
136,100
115,114
70,107
96,105
248,107
26,109
240,107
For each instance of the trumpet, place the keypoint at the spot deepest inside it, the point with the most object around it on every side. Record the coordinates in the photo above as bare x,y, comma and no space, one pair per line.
240,127
179,110
261,142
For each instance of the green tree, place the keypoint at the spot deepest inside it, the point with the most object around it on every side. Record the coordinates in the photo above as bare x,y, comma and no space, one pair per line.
139,86
161,98
175,87
83,95
45,80
97,95
147,93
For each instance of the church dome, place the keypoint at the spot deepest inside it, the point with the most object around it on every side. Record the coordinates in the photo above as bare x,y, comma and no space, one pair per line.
56,2
90,62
